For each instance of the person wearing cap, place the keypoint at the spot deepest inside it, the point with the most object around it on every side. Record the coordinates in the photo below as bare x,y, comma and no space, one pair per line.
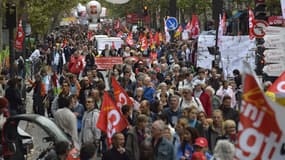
201,148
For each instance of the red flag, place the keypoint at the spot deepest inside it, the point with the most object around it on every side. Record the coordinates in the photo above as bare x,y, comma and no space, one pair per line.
151,40
113,45
143,41
279,85
251,22
89,35
129,39
117,24
261,129
110,118
194,29
20,36
188,26
120,94
64,43
156,38
120,34
222,28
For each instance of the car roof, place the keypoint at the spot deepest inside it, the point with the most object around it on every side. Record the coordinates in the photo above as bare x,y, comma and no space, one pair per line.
43,122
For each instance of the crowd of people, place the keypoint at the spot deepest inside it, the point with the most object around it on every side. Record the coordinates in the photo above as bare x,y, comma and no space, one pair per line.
180,111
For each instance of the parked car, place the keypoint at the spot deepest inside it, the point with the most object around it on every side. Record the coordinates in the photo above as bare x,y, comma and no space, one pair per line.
13,147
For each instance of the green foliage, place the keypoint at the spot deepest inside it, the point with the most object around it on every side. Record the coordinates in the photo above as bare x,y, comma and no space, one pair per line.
45,13
194,6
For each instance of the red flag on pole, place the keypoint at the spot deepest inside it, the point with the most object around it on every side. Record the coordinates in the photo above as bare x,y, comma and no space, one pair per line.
110,118
144,43
188,26
195,29
20,36
129,39
151,40
261,129
156,38
251,22
120,94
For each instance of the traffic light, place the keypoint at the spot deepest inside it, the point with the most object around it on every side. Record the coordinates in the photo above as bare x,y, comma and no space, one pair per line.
260,10
260,63
145,11
260,57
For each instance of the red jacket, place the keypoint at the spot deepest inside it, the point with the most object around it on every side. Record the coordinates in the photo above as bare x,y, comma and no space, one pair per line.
75,65
206,102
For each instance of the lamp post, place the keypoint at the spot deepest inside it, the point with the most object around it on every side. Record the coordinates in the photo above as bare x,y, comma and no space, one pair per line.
11,24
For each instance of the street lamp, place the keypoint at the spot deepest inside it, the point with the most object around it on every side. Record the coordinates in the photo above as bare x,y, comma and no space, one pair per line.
11,24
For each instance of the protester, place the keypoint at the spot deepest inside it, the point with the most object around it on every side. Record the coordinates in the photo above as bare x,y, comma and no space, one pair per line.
117,152
224,150
201,148
136,136
88,151
89,131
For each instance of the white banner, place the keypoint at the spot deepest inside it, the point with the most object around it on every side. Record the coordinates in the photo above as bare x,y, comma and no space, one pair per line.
283,8
275,41
234,50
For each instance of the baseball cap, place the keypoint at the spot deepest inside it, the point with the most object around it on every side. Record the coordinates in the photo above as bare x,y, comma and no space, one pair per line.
201,142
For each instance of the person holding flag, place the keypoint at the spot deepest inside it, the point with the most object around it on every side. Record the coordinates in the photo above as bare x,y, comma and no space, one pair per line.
110,120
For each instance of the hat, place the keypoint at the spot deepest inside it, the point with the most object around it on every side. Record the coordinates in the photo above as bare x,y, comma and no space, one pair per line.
199,155
201,142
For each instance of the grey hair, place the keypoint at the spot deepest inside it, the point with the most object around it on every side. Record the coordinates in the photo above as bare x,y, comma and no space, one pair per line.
211,89
161,125
224,150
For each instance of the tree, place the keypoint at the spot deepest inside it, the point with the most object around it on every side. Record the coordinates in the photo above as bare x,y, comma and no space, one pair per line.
45,14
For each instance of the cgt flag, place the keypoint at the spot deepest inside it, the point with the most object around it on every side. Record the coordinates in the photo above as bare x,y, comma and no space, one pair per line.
120,94
261,134
277,90
194,27
129,39
110,119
